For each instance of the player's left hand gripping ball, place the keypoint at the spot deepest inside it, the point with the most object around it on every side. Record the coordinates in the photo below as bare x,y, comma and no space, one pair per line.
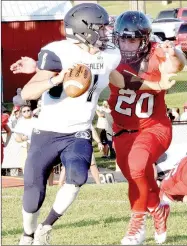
77,81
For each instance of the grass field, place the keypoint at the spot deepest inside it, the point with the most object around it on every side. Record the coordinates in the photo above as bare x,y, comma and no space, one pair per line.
99,216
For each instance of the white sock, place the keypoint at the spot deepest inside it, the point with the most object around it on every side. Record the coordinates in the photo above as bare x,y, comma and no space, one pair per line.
29,221
64,198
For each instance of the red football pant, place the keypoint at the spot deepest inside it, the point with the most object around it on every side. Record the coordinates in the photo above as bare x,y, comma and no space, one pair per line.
175,185
136,153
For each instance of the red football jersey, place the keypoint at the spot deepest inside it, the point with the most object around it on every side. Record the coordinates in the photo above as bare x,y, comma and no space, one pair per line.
139,109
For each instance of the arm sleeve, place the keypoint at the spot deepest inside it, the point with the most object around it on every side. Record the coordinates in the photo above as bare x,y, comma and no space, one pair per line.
48,60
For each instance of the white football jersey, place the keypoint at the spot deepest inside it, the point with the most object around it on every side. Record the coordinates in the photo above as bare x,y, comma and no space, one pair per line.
66,114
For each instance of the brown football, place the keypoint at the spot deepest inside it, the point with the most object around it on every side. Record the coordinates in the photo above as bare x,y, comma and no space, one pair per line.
77,81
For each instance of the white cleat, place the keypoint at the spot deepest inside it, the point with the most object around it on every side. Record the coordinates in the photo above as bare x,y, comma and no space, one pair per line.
160,216
137,239
160,238
42,235
25,240
136,232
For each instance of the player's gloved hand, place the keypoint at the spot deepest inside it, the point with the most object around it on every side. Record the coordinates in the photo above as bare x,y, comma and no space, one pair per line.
24,65
166,82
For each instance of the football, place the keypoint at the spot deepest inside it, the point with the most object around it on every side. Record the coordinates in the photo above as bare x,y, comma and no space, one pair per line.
77,81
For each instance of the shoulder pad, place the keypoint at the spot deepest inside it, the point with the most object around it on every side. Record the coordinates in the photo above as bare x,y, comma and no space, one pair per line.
48,60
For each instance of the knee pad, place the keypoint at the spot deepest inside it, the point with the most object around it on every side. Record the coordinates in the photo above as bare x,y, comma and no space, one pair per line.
77,174
33,198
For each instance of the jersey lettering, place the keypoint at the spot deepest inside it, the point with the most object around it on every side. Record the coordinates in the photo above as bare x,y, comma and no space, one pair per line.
131,99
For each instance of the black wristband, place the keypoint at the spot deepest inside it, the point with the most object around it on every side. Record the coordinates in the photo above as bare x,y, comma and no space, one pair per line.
56,91
132,81
133,85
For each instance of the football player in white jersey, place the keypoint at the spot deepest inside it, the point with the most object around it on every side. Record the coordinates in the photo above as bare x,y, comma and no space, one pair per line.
64,123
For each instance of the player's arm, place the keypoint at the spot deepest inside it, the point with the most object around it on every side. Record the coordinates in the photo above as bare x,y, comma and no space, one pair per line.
46,77
136,83
96,138
38,84
95,135
175,58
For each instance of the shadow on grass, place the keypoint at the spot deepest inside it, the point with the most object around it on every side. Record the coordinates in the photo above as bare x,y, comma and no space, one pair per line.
14,231
171,239
81,223
106,163
174,214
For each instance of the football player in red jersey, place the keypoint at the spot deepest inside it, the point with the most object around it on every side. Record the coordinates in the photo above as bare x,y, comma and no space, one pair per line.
171,173
174,185
142,128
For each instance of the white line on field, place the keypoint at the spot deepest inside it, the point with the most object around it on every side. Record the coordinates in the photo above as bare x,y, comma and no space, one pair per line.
78,200
91,201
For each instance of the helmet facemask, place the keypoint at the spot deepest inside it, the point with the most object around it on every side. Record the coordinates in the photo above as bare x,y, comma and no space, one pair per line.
132,25
132,56
96,36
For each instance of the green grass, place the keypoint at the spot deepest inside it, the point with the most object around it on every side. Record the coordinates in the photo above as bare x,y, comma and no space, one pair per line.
152,7
176,100
99,216
103,163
